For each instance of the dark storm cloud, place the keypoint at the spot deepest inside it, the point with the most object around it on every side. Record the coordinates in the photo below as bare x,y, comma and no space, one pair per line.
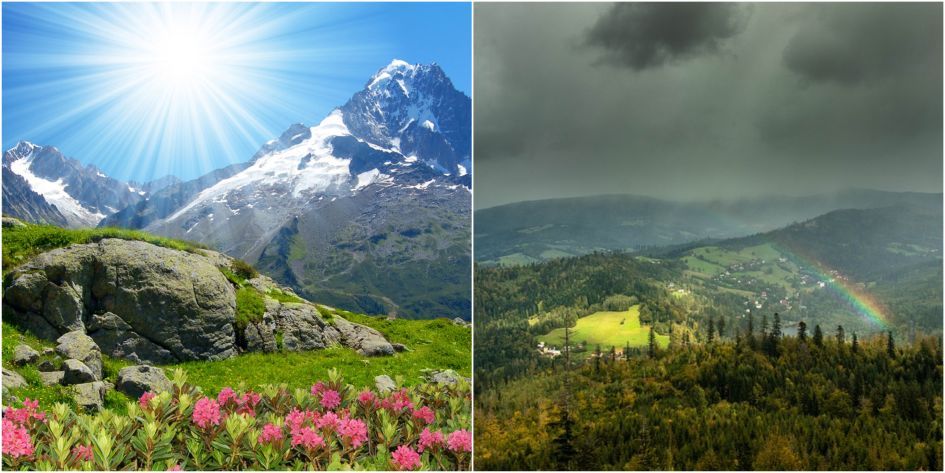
802,98
850,43
644,35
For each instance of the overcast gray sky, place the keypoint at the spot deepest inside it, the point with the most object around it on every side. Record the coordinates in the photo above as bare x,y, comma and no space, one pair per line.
695,101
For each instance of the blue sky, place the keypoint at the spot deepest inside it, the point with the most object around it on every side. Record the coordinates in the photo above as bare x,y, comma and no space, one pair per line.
146,90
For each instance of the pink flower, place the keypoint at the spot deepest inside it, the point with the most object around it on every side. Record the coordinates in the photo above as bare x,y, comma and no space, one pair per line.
174,467
331,399
366,398
405,458
206,412
307,438
296,418
247,403
460,441
145,399
16,440
397,401
270,433
431,439
22,416
226,395
354,431
318,388
82,452
328,421
425,414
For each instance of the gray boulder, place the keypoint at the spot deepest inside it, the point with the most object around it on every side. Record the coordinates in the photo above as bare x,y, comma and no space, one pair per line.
260,337
24,355
442,376
137,380
173,305
49,351
46,366
90,396
384,384
301,326
12,380
365,340
118,339
50,378
79,346
76,372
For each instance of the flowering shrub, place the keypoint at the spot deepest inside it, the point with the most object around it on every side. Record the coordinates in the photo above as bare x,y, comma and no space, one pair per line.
331,426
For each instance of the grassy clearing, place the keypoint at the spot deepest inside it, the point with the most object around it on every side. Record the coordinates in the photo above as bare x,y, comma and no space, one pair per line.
434,344
608,329
22,243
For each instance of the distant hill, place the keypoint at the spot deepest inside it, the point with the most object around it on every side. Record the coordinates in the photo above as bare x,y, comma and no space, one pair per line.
532,231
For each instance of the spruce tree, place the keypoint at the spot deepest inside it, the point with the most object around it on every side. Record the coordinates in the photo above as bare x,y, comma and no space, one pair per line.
711,330
890,345
801,331
841,338
721,327
856,344
818,336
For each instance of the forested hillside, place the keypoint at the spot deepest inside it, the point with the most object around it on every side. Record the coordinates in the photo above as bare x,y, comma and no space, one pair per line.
762,403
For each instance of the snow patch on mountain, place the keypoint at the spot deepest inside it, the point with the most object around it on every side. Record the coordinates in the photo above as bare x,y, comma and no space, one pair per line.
53,191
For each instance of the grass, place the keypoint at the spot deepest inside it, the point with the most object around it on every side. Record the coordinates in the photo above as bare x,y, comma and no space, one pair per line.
24,242
250,307
283,296
607,329
434,344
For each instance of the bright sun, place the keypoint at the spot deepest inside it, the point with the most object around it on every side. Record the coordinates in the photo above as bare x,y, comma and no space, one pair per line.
182,57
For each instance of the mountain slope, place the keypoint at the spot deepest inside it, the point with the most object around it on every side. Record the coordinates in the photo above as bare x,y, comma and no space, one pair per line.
536,230
369,208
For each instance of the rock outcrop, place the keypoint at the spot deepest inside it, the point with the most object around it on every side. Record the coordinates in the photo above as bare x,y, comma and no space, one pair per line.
137,380
157,305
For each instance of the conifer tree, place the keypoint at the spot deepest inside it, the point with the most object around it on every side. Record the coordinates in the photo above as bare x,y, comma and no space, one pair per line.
841,338
890,345
751,330
818,336
856,344
711,330
721,327
802,331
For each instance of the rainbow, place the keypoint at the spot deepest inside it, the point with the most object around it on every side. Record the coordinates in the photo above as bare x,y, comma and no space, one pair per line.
863,303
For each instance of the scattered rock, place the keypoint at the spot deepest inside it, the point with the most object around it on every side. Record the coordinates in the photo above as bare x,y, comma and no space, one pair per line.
365,340
12,380
24,354
137,380
384,384
399,347
49,351
48,365
76,372
442,376
90,396
459,321
51,377
79,346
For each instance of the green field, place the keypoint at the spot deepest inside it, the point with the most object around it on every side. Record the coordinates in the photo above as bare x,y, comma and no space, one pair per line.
607,329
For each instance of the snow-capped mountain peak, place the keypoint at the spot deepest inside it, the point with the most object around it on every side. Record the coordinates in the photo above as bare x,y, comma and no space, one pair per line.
83,195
